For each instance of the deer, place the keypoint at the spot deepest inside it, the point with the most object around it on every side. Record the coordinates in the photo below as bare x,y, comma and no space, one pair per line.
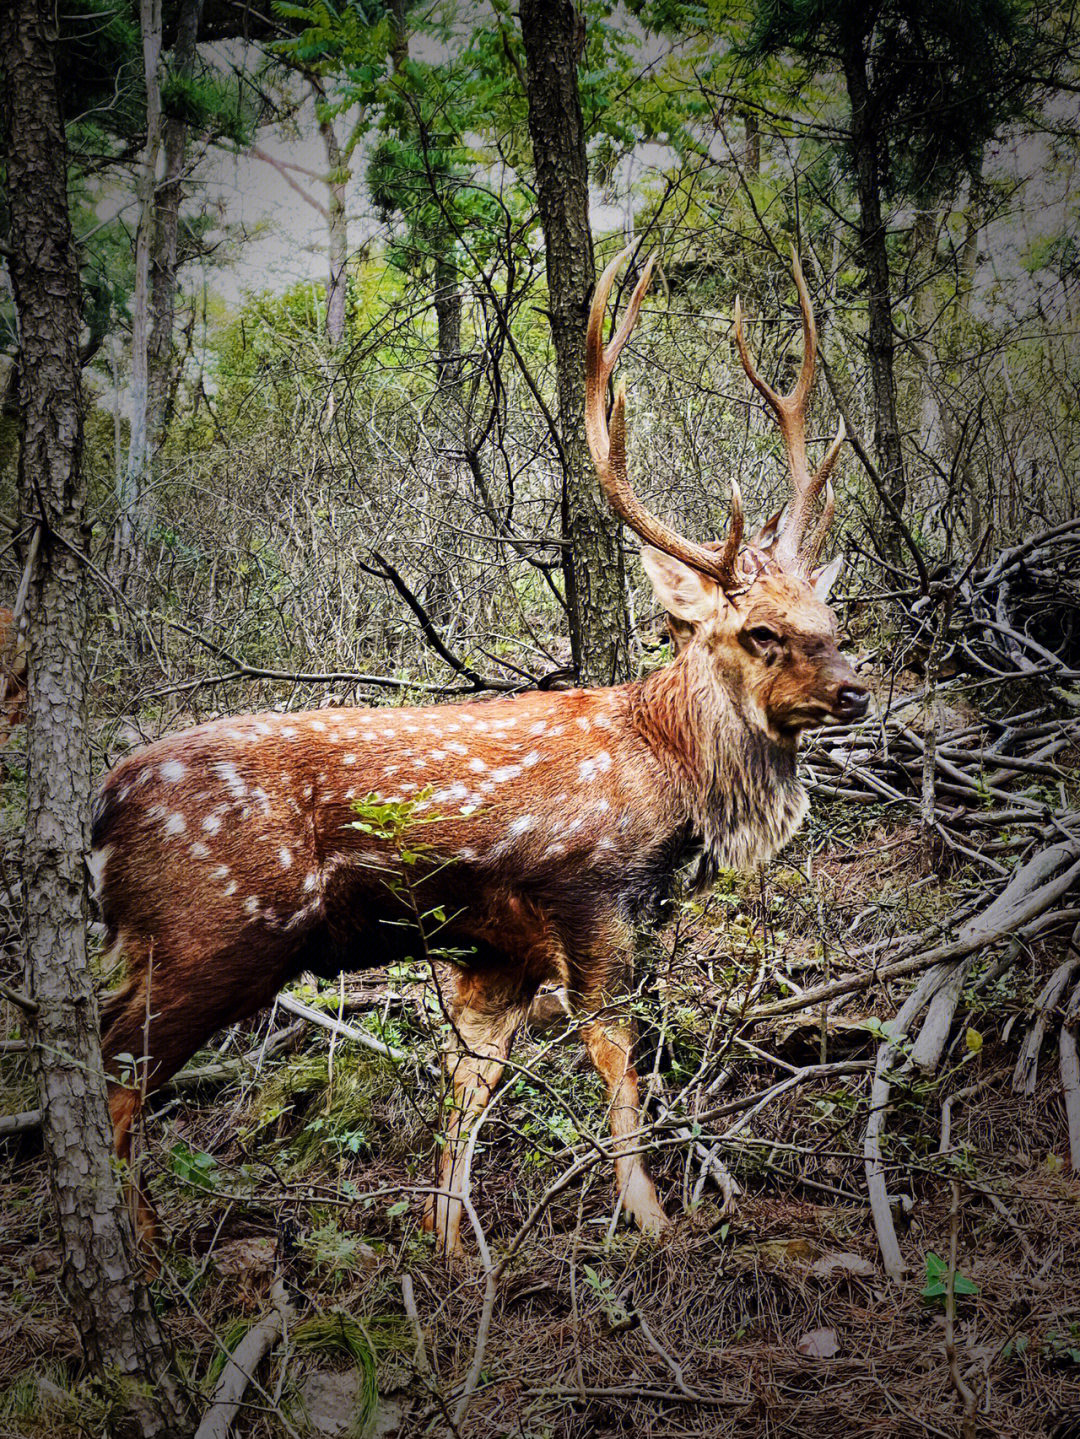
12,675
227,860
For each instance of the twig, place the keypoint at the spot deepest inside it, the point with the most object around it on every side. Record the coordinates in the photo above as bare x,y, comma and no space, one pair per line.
16,996
965,1393
1069,1061
242,1364
1026,1072
340,1028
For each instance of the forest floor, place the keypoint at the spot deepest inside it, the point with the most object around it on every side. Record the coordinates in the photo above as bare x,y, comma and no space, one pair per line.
288,1152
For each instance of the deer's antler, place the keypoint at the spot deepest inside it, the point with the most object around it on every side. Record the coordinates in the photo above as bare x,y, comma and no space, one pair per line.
790,412
608,448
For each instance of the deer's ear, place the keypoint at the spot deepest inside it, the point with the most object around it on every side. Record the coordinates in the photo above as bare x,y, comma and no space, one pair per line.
822,580
767,535
683,592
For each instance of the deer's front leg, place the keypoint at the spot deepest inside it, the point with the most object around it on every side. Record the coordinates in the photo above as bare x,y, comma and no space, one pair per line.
610,1039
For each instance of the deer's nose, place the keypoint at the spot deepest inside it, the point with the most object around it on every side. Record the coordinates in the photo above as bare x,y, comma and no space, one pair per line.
851,702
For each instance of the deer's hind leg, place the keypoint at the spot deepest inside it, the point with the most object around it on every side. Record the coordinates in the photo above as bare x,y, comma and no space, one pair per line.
169,1005
486,1011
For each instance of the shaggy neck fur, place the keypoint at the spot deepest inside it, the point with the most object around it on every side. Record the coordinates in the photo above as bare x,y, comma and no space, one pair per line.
737,783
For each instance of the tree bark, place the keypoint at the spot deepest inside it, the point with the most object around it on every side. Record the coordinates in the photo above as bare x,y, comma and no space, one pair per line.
111,1309
336,285
133,497
865,143
161,367
448,317
592,557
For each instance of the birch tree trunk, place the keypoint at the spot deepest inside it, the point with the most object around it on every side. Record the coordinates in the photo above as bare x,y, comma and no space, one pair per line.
592,558
134,496
110,1307
164,253
337,175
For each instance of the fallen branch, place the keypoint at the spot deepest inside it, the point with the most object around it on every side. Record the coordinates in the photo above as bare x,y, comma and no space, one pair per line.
239,1372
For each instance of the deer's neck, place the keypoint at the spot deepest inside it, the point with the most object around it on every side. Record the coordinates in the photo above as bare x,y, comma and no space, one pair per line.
736,783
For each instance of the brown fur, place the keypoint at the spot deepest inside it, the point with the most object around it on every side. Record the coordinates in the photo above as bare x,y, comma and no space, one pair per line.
12,676
226,862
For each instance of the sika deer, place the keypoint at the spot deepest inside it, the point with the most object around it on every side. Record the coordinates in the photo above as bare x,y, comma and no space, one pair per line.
226,863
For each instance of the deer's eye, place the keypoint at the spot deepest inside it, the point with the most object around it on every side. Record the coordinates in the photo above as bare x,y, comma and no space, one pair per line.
763,635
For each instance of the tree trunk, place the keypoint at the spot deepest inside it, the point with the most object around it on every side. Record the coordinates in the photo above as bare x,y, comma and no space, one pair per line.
448,317
111,1309
161,369
865,143
336,179
592,557
134,493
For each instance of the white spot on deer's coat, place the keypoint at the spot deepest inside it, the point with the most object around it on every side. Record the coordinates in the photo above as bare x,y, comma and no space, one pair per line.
523,824
99,858
251,904
606,842
287,731
175,824
533,757
221,872
310,881
285,855
211,823
173,770
233,733
558,729
555,849
539,727
466,853
318,726
582,722
508,771
590,768
348,759
391,769
231,777
602,721
477,766
456,747
437,754
199,850
231,887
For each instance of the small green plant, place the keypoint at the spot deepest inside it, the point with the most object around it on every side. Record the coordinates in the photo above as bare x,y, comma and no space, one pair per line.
937,1281
194,1167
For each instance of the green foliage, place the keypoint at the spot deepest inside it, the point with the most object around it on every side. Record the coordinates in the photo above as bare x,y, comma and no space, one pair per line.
943,75
194,1168
937,1279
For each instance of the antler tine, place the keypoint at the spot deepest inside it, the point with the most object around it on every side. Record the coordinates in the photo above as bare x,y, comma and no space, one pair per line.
812,548
804,384
608,448
790,412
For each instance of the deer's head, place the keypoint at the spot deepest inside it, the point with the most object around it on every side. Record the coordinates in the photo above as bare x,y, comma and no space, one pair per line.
756,611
